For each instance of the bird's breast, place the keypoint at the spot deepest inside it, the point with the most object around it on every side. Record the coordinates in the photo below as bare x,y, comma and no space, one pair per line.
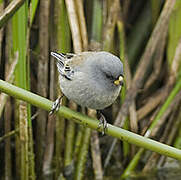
88,92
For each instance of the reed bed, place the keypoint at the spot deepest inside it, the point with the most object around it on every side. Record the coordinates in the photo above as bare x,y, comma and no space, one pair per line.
146,35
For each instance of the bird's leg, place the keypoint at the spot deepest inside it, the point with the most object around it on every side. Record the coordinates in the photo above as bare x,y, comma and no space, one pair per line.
56,105
102,122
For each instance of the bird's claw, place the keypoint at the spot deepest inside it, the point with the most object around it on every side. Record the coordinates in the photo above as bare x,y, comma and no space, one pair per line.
56,105
103,123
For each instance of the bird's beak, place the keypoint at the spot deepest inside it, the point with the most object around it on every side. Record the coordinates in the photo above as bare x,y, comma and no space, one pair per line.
119,81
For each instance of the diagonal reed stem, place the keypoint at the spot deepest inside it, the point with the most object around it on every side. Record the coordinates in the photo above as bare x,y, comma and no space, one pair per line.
114,131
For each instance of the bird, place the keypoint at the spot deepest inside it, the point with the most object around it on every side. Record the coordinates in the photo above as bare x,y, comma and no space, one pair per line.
90,79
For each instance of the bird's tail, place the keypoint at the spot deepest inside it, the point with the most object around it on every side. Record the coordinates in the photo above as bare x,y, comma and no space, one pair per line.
60,57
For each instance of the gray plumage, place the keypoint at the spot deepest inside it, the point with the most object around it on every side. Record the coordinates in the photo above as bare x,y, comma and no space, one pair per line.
88,78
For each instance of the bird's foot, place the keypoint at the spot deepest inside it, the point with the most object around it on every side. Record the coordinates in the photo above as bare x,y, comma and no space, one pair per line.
56,105
103,123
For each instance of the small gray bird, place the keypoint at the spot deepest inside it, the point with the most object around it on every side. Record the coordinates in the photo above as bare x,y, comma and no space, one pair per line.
90,79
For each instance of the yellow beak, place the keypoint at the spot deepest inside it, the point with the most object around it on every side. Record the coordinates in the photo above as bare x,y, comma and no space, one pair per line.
119,81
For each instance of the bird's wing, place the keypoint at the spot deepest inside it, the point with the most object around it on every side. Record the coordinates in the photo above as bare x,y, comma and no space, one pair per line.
63,68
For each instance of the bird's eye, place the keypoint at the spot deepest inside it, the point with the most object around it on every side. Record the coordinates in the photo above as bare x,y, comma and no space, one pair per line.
109,76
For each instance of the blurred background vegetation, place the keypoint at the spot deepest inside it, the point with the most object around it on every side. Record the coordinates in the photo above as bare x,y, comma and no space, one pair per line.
146,35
